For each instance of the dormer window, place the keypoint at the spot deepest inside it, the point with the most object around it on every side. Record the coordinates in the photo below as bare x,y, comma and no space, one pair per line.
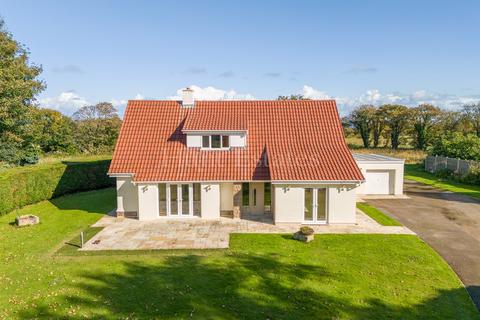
225,142
216,141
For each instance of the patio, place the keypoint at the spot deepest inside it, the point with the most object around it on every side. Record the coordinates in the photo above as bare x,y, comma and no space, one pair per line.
130,234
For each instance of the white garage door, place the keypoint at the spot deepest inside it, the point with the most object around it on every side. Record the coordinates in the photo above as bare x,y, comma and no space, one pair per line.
377,182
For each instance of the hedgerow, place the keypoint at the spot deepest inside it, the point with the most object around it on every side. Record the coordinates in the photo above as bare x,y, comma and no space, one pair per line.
27,185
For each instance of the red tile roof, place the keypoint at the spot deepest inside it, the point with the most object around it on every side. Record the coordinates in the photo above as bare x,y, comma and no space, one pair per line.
302,140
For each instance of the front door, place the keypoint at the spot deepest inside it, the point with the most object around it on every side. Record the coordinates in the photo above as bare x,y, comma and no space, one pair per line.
315,207
180,196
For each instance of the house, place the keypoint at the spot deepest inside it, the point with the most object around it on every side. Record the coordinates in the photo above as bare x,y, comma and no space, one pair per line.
206,159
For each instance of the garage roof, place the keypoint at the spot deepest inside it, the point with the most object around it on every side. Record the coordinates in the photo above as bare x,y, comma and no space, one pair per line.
375,158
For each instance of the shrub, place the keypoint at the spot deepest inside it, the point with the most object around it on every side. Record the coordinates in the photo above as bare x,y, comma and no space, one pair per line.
306,231
27,185
457,145
444,174
473,176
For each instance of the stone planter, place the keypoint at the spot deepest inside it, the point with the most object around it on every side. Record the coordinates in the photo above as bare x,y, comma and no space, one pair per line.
302,237
27,220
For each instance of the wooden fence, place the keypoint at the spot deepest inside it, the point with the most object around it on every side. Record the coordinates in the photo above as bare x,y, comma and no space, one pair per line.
458,166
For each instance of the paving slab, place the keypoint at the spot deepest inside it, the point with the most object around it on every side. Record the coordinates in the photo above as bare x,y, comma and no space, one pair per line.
195,233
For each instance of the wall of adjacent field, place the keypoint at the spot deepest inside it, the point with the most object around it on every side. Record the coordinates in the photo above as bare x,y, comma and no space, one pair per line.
27,185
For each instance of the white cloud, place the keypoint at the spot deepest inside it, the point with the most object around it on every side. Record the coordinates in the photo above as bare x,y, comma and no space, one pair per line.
211,93
375,97
310,93
66,102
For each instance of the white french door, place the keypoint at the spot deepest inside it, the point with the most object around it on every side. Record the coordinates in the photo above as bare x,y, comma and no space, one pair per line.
180,200
315,205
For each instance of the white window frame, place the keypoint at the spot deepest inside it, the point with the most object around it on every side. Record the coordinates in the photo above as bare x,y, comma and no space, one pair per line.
221,142
315,207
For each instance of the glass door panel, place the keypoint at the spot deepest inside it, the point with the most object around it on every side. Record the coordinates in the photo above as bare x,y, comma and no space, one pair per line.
173,200
185,200
196,199
321,205
308,212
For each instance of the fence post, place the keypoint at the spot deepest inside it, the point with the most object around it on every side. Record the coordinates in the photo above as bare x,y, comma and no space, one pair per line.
81,239
435,164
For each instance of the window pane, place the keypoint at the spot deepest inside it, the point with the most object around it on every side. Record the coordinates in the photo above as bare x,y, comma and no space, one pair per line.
196,199
254,197
215,141
162,198
245,192
225,142
185,200
267,195
308,213
173,199
206,141
322,208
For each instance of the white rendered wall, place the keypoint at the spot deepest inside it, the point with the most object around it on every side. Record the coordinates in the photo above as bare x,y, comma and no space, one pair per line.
259,207
194,141
210,200
147,201
395,177
341,203
238,140
127,196
226,196
289,203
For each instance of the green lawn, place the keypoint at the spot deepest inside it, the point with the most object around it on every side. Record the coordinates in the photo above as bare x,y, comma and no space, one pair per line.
259,277
377,215
417,173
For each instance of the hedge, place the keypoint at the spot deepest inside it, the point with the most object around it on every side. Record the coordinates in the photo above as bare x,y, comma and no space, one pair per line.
27,185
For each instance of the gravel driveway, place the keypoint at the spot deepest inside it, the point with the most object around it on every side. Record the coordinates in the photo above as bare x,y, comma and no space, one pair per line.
448,222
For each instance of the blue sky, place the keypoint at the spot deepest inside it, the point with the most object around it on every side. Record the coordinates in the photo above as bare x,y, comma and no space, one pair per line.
354,51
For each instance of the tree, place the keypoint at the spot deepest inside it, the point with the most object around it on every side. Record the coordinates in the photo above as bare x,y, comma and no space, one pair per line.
378,125
293,97
396,118
471,113
361,120
52,131
424,117
19,84
97,127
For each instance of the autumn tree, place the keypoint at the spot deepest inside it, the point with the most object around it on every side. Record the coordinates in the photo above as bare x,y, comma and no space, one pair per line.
97,127
378,125
396,118
52,131
19,84
361,119
424,117
293,97
471,113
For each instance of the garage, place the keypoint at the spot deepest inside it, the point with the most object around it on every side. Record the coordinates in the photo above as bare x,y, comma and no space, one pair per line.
383,175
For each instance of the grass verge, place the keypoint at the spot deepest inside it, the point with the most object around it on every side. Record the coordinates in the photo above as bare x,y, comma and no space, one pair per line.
416,172
377,215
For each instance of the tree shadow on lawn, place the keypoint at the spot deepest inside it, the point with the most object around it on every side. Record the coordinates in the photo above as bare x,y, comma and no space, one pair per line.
95,201
234,286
